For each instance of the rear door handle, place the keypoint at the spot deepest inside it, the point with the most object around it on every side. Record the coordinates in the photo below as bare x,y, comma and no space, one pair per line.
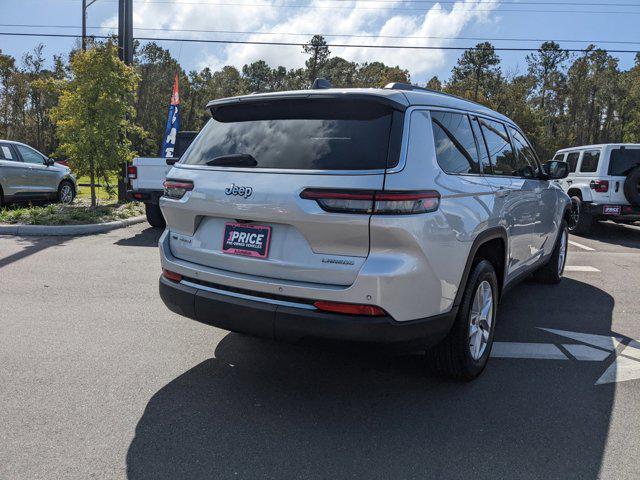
503,192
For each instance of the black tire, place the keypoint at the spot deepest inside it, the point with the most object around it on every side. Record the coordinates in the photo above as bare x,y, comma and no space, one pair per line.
154,215
66,192
452,358
552,271
583,221
631,187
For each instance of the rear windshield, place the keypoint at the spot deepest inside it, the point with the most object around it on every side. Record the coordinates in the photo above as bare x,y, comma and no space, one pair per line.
319,134
623,160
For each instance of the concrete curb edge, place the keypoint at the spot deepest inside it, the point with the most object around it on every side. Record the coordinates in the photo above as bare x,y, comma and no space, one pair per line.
67,230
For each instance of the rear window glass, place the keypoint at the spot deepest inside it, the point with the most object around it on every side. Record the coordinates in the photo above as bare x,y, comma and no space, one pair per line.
320,134
454,142
623,160
572,160
590,161
503,160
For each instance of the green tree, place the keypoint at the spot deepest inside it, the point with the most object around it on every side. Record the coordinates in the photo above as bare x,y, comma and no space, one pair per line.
319,55
94,111
257,76
435,84
477,72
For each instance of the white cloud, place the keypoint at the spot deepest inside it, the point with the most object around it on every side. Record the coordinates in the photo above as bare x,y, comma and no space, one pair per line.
377,19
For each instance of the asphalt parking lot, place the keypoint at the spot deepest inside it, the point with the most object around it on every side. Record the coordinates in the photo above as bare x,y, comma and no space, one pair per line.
99,380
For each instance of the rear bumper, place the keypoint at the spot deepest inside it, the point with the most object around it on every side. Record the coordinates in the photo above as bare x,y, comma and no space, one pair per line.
262,318
145,196
610,210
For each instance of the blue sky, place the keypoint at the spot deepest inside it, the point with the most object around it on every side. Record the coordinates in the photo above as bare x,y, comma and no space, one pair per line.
378,19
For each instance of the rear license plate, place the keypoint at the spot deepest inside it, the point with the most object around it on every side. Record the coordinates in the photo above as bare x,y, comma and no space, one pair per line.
611,210
247,240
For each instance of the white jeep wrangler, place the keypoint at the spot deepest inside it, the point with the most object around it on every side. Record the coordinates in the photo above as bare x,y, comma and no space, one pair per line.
603,183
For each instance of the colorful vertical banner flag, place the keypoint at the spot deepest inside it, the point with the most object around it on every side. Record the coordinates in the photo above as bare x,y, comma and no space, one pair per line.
173,123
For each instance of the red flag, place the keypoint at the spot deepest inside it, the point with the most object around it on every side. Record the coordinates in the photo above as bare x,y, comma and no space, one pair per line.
175,96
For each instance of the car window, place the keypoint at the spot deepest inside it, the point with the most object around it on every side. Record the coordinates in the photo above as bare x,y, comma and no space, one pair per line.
301,134
623,160
482,146
590,160
559,157
29,155
454,142
572,160
503,160
6,153
526,162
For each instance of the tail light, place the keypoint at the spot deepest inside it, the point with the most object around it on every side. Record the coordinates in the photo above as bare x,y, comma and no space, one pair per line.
350,308
173,276
374,202
600,186
132,172
177,188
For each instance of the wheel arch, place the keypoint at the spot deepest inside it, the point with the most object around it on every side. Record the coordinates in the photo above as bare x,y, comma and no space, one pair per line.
491,245
581,191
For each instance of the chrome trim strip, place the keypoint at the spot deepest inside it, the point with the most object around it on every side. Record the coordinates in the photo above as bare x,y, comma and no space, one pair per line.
272,301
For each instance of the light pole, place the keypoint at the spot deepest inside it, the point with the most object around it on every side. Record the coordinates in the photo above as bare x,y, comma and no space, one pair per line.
85,5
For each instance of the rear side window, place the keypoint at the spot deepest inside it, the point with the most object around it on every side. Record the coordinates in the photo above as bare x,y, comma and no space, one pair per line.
526,163
503,160
5,153
623,160
319,134
590,160
572,160
454,142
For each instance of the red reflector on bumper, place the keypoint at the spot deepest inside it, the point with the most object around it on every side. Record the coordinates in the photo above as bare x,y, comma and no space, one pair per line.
173,276
350,308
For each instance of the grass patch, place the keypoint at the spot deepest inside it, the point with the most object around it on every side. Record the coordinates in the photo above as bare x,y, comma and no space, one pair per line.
78,213
101,192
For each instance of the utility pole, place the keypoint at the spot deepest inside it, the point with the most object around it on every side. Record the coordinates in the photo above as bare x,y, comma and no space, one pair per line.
125,30
125,51
85,5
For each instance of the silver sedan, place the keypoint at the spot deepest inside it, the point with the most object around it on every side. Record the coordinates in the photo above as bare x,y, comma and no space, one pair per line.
28,175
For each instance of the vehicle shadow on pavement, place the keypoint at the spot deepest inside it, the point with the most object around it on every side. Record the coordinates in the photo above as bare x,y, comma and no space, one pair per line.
616,234
146,238
32,245
260,409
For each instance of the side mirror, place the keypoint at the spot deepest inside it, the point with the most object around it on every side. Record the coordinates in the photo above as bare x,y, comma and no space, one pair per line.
172,161
48,162
555,170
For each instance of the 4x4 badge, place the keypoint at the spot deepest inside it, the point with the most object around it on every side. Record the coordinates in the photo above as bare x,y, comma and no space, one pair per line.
237,190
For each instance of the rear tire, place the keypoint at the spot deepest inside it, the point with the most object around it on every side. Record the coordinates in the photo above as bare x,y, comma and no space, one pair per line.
552,271
66,192
631,187
154,215
583,221
464,353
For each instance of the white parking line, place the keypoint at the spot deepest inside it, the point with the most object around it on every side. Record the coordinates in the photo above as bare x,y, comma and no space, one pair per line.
586,353
580,268
579,245
541,351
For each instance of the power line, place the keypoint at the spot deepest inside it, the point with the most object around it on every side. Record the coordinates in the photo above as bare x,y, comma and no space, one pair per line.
309,35
430,2
399,9
294,44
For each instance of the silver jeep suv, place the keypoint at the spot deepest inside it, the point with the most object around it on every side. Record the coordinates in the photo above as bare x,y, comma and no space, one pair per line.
378,215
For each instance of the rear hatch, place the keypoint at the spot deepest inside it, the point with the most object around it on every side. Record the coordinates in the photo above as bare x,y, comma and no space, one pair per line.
249,167
621,161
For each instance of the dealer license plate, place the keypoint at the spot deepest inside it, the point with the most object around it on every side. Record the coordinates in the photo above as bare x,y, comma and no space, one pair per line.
245,239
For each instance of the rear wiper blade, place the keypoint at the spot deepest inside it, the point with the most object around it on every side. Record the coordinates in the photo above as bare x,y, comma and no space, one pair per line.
233,160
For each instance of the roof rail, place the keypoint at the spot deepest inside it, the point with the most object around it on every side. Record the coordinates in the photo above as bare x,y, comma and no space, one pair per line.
407,86
321,84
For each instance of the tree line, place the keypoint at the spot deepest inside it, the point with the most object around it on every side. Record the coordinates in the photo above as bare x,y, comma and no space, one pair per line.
562,99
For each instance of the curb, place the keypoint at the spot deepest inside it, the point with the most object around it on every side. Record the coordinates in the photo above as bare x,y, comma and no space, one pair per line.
67,230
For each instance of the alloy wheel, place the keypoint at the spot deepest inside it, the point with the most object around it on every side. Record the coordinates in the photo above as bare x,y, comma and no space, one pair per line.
481,319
